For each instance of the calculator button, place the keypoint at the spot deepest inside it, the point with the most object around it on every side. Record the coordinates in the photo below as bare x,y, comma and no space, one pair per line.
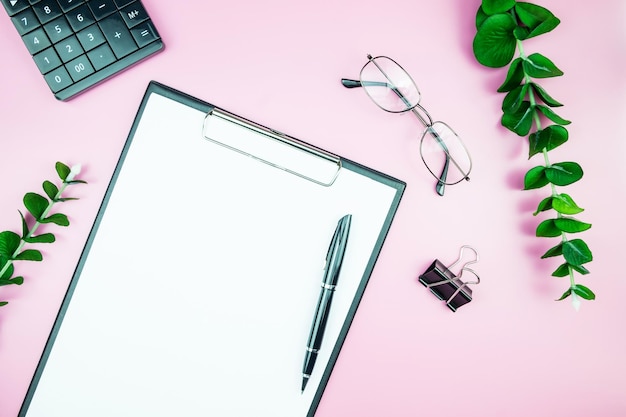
79,68
36,41
102,8
25,21
117,35
69,49
58,29
144,34
14,6
91,37
134,14
122,3
80,17
47,10
34,1
68,5
47,60
58,79
101,57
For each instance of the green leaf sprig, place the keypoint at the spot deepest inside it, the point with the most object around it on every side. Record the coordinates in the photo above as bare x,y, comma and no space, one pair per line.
501,28
12,244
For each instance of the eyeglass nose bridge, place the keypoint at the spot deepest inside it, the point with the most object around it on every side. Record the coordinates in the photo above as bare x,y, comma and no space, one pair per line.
422,115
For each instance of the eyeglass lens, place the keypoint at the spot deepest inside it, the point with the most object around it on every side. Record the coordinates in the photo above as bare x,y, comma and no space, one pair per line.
444,154
389,86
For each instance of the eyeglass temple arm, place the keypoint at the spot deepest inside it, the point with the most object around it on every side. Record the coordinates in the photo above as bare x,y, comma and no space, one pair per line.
348,83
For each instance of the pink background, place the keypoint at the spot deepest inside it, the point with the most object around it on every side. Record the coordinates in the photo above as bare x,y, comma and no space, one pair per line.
513,351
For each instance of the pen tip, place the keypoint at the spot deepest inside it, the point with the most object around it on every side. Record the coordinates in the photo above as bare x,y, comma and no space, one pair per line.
304,381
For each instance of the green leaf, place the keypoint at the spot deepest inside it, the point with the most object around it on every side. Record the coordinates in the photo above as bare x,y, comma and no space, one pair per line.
29,255
576,252
497,6
535,178
544,96
494,44
538,66
12,281
43,238
9,242
514,99
555,251
514,76
565,295
548,139
547,228
63,170
532,15
561,271
8,273
3,303
521,120
76,182
564,204
544,205
521,32
580,269
58,219
539,20
564,270
62,200
481,16
584,292
36,204
550,114
51,190
24,225
570,225
564,173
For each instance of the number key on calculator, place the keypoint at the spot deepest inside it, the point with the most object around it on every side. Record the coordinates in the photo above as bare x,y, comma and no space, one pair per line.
79,43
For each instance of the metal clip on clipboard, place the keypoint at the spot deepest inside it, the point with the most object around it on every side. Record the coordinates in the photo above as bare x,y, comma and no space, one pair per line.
281,151
446,285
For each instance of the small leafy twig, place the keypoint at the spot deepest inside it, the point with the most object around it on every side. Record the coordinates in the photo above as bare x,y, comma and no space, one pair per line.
501,26
12,244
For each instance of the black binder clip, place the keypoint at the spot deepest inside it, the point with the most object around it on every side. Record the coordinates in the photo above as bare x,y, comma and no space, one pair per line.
446,285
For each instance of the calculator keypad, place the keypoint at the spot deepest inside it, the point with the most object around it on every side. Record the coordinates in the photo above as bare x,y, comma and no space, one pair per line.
79,43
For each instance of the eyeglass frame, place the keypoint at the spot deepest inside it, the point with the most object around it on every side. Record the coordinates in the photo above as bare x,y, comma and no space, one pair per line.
441,179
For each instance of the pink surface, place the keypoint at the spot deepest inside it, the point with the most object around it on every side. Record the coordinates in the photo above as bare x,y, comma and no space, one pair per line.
513,351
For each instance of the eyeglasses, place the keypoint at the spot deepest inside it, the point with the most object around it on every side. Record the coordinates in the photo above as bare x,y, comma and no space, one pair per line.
393,90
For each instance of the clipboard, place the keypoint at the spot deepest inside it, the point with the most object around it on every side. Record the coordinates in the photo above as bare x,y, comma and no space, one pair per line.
195,292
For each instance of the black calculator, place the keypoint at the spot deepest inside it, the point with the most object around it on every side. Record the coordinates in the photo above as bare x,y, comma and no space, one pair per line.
78,43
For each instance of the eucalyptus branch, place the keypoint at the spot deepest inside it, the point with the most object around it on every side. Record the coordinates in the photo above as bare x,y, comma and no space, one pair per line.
502,26
12,244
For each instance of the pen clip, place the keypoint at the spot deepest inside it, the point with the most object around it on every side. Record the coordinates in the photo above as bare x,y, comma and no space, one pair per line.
342,228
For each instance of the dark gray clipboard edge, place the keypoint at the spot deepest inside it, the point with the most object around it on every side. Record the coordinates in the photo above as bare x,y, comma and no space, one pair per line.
163,90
